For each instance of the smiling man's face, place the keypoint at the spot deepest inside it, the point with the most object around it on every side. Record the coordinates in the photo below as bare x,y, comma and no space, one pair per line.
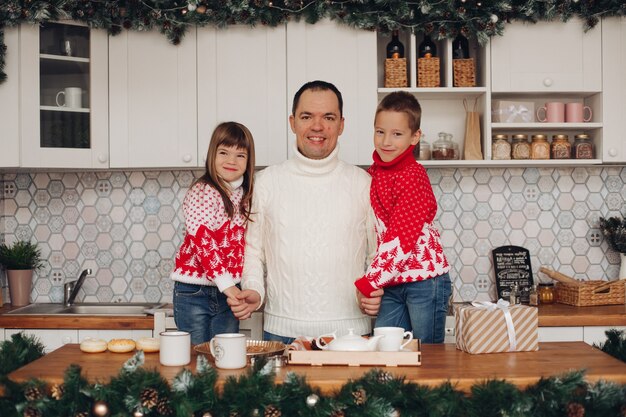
317,123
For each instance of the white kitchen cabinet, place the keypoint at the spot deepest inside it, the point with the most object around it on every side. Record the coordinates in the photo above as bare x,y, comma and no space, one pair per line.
596,335
113,334
241,77
547,57
63,96
561,334
51,338
345,57
9,99
614,89
152,96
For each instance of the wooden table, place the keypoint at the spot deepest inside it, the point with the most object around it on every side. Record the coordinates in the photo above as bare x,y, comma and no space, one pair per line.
440,363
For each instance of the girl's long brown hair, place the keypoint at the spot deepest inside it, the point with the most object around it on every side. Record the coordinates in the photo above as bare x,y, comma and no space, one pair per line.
231,134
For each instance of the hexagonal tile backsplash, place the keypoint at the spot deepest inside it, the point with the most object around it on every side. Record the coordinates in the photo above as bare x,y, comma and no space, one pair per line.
127,226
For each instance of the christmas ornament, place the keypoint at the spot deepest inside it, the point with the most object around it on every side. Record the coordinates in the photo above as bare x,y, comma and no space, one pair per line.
100,409
575,410
312,400
207,414
82,414
395,413
137,413
493,18
338,413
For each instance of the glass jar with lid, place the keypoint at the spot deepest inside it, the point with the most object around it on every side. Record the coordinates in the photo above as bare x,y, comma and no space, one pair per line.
422,149
500,147
546,293
540,147
560,148
444,148
520,148
583,147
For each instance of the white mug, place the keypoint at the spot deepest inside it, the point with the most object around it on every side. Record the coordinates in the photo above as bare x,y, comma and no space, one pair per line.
175,348
394,336
72,97
229,350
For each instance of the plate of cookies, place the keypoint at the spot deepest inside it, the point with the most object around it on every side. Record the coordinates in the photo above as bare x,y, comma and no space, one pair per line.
253,348
93,345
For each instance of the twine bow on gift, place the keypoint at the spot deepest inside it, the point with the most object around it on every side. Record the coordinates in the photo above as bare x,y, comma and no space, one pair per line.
503,306
513,112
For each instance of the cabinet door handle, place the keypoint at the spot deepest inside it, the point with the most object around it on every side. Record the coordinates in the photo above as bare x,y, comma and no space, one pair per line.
547,82
612,152
102,158
187,158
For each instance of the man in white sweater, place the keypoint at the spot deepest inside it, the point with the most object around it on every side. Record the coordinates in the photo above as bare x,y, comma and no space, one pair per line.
312,231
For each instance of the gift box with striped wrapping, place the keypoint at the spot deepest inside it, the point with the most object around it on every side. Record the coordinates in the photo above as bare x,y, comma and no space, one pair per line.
491,328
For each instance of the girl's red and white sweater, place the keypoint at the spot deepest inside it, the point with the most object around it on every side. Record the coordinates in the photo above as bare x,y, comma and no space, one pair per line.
212,249
409,246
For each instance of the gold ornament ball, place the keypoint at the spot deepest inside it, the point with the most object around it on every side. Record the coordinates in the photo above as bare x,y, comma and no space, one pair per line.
207,414
138,413
100,409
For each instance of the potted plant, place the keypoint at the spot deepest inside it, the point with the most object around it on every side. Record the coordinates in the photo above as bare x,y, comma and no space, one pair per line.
614,231
20,260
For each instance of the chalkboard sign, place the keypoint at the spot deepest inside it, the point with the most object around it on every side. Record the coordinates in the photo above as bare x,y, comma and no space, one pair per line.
512,265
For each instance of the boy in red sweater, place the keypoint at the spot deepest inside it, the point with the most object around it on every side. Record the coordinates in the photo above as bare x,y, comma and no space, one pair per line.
409,262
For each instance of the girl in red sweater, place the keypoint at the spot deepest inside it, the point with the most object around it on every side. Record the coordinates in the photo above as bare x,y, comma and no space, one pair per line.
409,262
210,259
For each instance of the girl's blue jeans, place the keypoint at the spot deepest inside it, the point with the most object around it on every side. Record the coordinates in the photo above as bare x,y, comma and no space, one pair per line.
202,311
420,307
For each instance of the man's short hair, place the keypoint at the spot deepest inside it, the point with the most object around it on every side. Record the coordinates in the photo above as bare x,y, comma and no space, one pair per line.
403,102
317,85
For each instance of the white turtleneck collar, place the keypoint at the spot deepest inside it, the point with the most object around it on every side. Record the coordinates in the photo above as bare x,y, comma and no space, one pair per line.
236,184
316,166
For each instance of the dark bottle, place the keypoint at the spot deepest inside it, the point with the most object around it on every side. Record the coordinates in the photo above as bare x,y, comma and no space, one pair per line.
460,47
427,49
395,49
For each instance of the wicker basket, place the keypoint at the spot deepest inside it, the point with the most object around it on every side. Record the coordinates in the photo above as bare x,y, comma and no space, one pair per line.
585,295
428,72
395,73
464,72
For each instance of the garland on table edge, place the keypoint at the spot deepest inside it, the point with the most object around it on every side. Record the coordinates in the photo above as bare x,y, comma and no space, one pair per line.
140,392
478,19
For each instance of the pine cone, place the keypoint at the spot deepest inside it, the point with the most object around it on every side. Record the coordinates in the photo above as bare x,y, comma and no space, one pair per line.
575,410
384,377
233,414
272,411
360,396
32,412
57,391
82,414
338,413
149,397
622,410
163,407
33,394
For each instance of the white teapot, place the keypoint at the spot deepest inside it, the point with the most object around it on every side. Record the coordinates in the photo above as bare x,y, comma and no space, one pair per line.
350,342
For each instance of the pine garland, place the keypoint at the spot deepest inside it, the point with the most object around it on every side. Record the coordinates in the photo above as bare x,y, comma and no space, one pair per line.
142,392
479,19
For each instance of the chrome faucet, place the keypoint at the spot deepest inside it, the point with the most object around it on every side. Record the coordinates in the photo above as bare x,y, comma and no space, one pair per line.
70,289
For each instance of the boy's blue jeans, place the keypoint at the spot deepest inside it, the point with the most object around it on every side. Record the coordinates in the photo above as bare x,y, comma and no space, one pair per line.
419,306
202,311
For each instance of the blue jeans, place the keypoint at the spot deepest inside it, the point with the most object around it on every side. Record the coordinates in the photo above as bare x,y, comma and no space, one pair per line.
274,337
419,306
202,311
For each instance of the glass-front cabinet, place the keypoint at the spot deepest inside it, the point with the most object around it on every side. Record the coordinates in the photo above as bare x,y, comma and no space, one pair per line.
64,96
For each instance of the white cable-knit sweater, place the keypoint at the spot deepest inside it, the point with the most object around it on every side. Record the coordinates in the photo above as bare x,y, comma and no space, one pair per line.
313,230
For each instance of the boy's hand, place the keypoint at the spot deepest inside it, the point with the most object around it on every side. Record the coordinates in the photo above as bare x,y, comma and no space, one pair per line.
370,305
244,304
231,293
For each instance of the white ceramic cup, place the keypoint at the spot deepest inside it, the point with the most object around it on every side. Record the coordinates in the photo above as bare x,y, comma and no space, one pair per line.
72,97
175,348
394,336
229,350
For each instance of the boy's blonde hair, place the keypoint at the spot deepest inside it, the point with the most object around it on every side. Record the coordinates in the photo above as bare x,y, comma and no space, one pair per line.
403,102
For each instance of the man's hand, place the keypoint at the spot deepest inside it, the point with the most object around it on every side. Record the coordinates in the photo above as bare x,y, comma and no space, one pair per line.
244,304
370,305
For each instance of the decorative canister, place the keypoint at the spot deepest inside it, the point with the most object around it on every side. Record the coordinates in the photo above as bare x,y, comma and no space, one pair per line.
422,150
540,147
560,147
500,147
520,148
583,148
546,293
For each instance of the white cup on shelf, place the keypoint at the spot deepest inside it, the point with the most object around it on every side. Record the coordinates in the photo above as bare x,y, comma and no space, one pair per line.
72,97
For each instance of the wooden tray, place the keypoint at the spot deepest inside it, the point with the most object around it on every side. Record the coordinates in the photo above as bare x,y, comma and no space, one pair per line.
410,356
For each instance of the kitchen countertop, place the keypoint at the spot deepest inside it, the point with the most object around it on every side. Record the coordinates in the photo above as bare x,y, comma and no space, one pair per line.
440,363
554,315
100,322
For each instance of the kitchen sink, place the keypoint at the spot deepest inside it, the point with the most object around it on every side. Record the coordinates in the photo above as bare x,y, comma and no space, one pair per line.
87,309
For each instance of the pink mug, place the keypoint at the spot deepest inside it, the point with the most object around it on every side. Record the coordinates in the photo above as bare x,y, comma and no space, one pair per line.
554,112
575,113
